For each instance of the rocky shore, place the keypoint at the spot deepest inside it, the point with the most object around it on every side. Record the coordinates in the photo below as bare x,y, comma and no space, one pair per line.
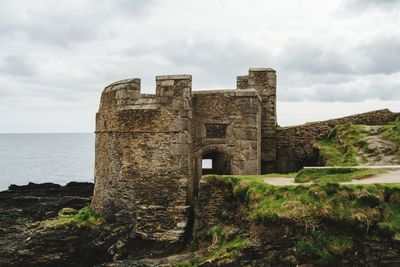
23,242
232,228
26,240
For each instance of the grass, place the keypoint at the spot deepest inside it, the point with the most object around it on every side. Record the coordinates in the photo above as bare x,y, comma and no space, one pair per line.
342,143
353,210
324,246
69,217
335,175
391,132
359,206
224,249
269,175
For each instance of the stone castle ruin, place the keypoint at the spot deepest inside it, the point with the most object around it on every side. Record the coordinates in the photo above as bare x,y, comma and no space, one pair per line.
150,148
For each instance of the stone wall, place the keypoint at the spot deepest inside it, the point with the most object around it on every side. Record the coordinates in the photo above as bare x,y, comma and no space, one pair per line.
264,81
295,144
228,122
143,156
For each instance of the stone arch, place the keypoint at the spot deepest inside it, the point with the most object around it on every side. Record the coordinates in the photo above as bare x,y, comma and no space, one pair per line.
221,156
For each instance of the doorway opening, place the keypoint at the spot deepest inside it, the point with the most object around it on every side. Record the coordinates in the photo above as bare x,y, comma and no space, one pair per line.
216,163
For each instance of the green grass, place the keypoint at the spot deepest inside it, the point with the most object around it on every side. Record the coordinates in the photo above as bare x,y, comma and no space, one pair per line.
358,206
391,132
353,210
224,249
69,217
335,175
269,175
342,143
324,246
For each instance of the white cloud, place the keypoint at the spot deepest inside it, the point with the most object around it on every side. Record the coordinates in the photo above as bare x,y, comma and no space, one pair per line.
56,56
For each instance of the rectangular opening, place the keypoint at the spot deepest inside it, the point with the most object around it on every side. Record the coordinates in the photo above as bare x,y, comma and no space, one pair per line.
216,130
207,164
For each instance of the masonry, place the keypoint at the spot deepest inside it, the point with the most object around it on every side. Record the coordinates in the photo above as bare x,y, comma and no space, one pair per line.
150,148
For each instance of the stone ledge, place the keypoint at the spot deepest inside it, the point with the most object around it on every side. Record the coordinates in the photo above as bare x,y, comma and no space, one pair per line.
262,69
228,92
125,81
174,77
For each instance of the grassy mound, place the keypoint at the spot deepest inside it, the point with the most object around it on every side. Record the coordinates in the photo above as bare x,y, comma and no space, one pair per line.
340,147
391,132
334,175
69,217
362,207
358,209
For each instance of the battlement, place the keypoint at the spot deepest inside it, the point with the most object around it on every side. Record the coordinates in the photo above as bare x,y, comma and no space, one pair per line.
150,147
128,94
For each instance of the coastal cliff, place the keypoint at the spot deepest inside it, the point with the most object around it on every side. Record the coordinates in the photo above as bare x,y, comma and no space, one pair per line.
239,222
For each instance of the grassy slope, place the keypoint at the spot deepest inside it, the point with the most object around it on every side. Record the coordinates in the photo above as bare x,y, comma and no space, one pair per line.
360,210
391,132
340,147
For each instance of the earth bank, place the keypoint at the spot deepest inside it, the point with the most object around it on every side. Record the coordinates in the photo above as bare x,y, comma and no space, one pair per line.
239,222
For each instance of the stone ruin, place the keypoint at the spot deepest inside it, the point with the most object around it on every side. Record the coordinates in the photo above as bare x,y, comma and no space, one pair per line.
150,148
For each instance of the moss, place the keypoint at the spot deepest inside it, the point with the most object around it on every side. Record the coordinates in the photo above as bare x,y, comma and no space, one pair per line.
333,175
69,217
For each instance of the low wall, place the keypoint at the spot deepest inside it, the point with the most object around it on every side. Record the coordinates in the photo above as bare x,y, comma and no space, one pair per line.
295,144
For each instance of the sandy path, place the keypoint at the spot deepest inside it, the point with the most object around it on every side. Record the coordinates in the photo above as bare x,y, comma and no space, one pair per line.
391,177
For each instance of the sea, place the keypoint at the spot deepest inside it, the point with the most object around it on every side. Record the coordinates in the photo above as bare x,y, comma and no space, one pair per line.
46,157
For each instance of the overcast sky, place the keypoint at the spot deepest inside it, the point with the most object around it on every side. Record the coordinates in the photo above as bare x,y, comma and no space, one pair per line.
333,58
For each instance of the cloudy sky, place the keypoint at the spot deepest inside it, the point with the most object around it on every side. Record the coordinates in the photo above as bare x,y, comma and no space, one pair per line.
333,58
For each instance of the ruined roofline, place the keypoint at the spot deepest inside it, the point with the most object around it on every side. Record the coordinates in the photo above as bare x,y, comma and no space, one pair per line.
137,82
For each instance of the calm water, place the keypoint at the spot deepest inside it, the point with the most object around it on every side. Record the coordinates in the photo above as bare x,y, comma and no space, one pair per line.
57,158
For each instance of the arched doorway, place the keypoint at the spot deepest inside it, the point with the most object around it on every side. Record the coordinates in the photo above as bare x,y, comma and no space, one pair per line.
215,162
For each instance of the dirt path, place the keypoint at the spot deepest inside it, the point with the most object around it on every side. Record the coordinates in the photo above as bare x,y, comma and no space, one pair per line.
379,150
391,177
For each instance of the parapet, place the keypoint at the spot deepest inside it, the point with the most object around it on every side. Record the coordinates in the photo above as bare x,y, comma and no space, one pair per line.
261,79
126,94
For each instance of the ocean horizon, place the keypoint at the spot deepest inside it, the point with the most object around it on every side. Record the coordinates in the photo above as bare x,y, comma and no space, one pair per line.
46,157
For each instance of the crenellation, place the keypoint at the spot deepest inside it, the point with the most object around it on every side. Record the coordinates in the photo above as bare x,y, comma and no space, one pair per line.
242,82
150,147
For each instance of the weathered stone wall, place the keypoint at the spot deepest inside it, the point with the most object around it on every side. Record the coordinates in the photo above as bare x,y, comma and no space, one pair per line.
295,144
264,81
228,122
143,156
